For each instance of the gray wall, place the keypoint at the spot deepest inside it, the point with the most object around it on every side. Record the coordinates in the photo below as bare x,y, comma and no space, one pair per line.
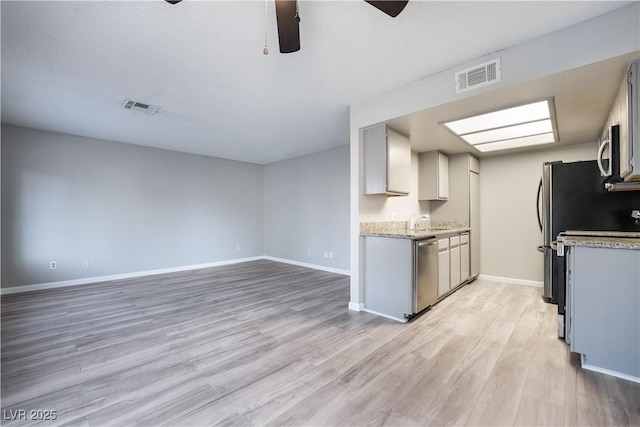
306,205
508,223
123,207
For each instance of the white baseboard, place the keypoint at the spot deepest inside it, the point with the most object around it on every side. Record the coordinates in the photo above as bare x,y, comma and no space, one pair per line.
355,306
312,266
97,279
111,277
385,315
511,280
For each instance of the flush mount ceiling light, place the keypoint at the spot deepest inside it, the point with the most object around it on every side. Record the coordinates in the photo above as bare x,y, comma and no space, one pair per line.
522,126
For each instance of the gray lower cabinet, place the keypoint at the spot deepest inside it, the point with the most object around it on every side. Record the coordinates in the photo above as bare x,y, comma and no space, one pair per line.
603,308
393,265
454,251
454,262
388,276
465,257
444,270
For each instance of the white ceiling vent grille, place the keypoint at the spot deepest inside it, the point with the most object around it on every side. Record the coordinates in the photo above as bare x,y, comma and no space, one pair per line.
478,76
142,107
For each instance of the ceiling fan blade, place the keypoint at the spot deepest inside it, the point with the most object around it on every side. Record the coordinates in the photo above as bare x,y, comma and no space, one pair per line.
391,8
288,26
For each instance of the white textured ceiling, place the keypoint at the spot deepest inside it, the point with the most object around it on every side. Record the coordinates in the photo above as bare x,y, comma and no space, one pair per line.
67,66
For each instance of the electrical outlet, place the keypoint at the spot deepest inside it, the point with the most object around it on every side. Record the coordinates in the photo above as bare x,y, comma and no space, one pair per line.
394,215
330,254
237,248
85,262
53,265
309,251
326,254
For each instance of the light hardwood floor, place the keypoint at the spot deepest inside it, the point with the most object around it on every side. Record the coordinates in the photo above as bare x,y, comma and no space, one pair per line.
264,343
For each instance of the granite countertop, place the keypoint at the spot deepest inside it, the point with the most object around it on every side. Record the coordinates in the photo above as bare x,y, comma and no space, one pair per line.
399,230
417,234
610,242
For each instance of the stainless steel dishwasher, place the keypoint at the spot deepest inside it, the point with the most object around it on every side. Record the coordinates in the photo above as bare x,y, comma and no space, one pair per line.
425,284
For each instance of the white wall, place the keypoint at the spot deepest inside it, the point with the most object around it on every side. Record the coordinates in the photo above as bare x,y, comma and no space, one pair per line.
581,44
377,207
508,223
125,208
306,205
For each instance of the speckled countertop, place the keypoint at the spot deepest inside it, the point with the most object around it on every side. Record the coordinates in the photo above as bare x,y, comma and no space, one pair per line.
426,229
617,240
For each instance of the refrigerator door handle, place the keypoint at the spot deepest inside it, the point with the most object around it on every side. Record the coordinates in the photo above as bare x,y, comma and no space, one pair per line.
538,200
603,147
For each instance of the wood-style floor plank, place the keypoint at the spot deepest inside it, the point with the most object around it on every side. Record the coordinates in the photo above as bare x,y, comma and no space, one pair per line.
265,343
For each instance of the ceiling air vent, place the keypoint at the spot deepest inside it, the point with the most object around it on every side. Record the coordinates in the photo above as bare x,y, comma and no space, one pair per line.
478,76
149,109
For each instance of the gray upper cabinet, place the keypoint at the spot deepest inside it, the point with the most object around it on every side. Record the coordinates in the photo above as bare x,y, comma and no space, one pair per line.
625,113
629,122
433,176
387,161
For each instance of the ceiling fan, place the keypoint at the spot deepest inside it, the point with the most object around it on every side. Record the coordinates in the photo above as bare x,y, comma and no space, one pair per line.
289,19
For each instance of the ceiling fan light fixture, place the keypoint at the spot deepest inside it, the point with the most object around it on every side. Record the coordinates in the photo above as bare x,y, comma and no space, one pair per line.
390,7
288,25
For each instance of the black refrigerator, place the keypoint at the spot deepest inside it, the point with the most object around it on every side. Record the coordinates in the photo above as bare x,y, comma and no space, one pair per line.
571,196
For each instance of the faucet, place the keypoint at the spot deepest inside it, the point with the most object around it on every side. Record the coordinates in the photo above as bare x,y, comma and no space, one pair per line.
413,221
635,214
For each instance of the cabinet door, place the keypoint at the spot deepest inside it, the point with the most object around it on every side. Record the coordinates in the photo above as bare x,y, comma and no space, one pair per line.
474,221
568,312
443,176
443,272
455,266
619,116
388,276
605,308
633,123
398,163
387,161
465,272
433,176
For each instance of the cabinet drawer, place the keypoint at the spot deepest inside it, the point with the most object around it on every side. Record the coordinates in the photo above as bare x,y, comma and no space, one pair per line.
443,244
455,241
464,238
